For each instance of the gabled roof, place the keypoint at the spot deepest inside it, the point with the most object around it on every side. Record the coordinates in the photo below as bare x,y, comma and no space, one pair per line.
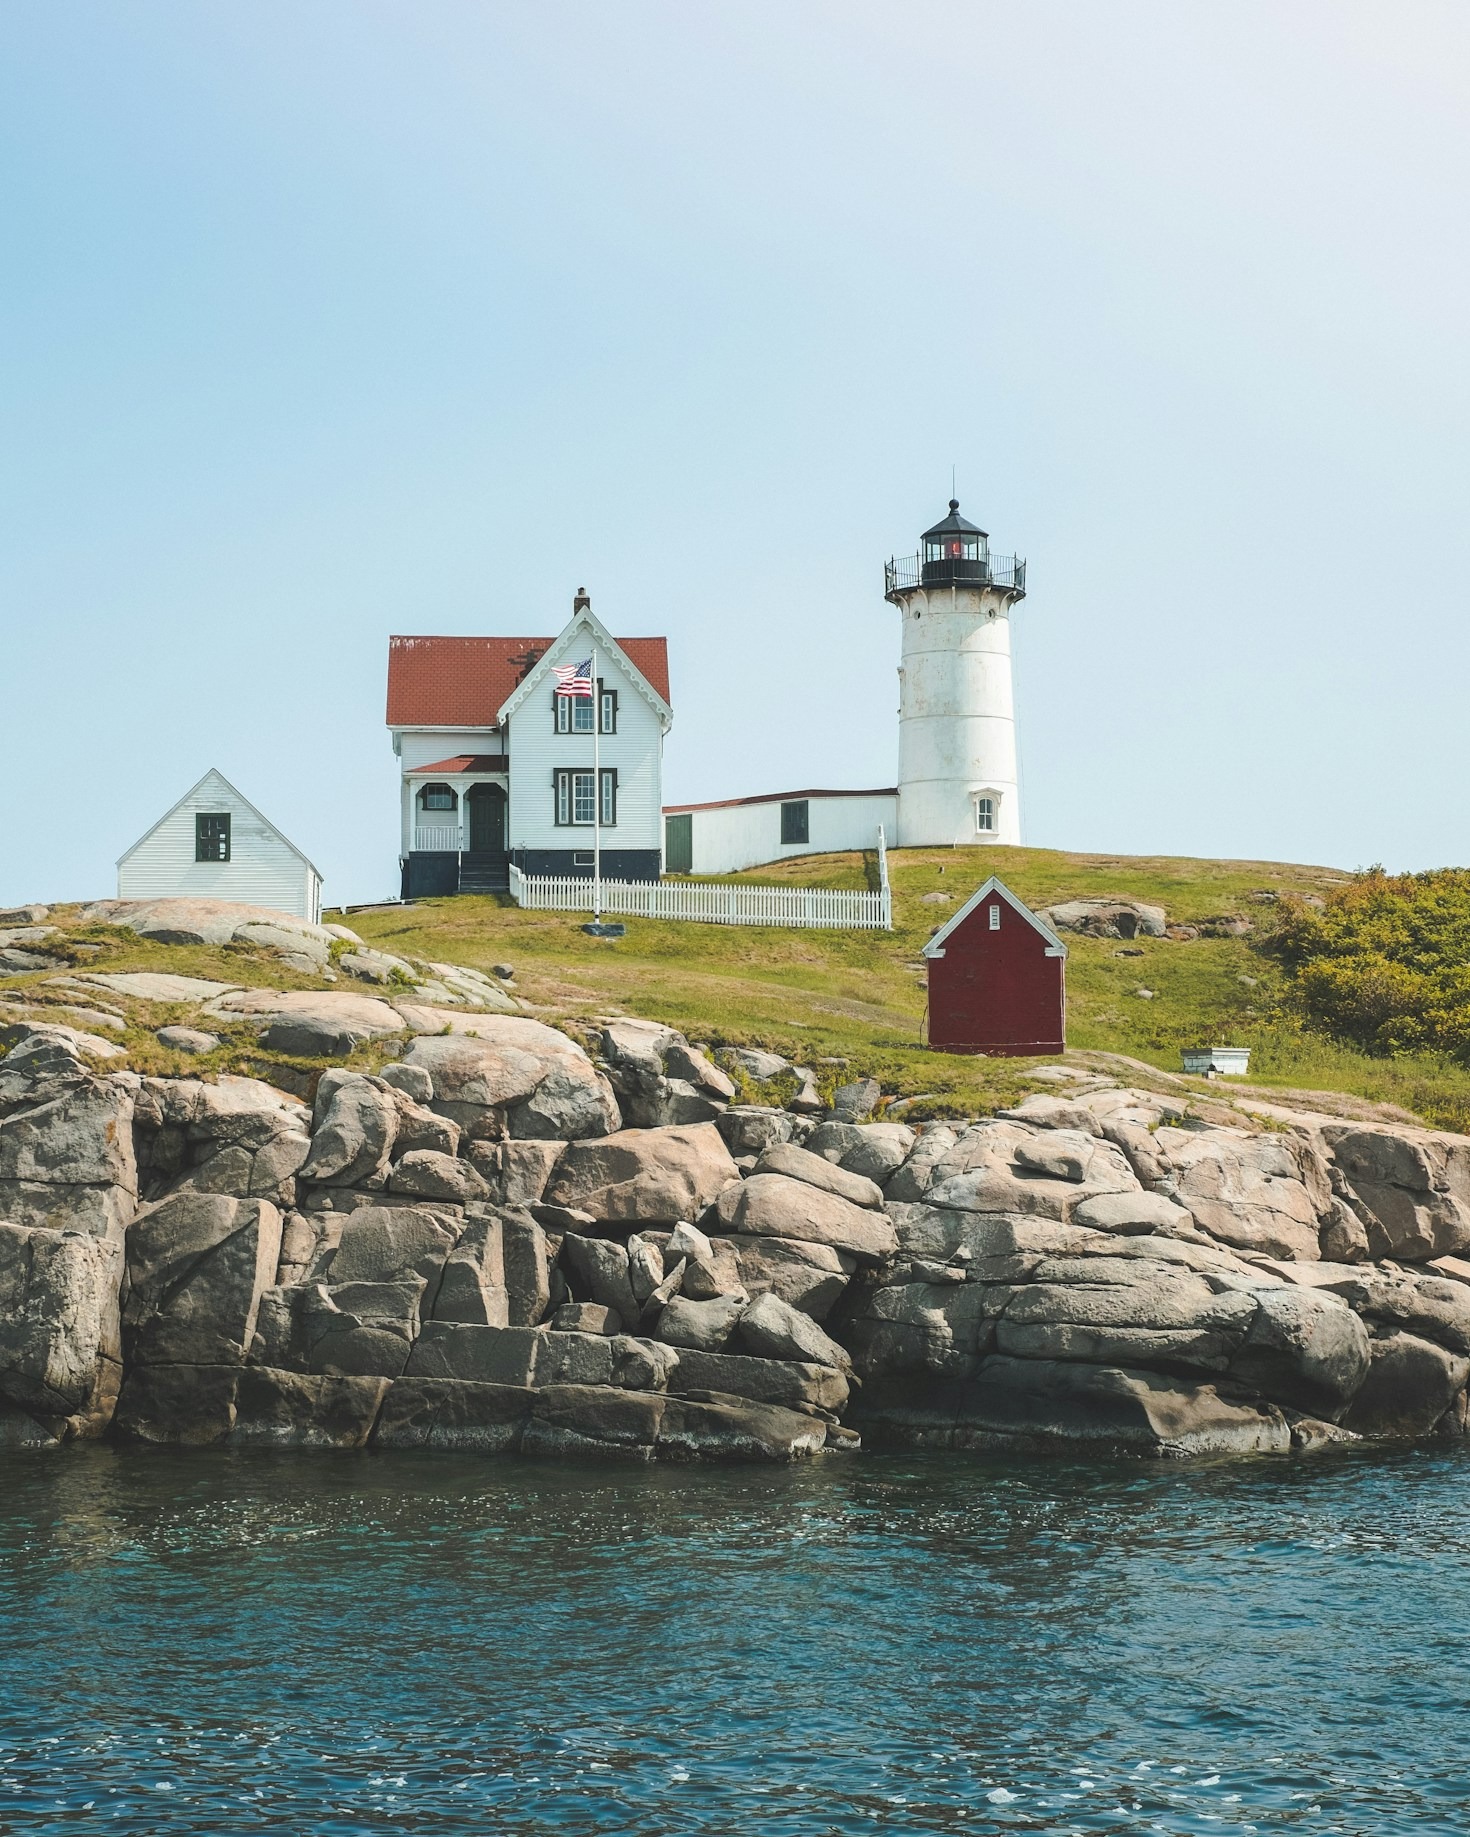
584,627
219,778
1055,946
464,682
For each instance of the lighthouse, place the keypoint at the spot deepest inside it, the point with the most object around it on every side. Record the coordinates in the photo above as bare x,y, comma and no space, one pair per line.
957,778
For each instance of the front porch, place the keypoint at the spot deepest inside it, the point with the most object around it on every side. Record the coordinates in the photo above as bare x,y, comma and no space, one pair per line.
454,827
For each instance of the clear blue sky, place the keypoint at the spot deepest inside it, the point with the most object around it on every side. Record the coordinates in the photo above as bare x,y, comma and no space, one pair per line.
321,321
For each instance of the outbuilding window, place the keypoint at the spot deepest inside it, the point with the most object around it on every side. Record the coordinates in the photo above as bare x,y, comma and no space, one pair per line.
995,916
795,821
438,797
212,835
985,815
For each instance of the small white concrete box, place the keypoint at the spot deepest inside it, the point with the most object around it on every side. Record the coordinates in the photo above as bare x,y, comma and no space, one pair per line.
1223,1061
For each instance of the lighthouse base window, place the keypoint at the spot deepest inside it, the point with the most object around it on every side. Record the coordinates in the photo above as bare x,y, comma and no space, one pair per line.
985,815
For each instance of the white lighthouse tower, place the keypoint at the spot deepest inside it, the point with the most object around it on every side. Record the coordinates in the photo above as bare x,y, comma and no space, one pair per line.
957,779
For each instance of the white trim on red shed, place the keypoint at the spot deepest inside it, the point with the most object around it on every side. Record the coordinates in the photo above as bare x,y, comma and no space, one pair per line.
935,946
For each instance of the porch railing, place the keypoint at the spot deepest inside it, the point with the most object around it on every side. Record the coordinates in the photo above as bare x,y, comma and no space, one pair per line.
436,838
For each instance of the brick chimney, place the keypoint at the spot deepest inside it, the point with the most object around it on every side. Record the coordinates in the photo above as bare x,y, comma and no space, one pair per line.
581,603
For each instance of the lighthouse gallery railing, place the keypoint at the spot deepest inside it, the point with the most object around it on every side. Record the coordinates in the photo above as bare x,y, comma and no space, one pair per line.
996,571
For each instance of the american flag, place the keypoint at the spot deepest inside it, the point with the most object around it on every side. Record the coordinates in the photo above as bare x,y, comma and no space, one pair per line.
574,678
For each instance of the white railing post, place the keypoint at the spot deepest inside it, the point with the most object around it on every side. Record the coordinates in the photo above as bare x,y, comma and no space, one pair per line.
885,891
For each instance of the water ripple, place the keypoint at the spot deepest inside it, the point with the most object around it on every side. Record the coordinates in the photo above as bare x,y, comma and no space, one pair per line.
223,1644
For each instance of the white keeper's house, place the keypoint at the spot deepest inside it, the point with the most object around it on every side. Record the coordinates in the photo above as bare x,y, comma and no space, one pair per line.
497,768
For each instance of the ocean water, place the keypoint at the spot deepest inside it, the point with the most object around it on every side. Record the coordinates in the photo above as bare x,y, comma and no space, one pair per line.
307,1644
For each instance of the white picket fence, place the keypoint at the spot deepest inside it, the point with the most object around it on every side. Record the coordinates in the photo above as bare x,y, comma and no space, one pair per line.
736,903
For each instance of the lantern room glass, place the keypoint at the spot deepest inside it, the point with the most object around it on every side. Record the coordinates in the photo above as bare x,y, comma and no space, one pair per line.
956,547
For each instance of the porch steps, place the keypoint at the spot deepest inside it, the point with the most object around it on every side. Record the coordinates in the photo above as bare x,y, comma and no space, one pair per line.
484,874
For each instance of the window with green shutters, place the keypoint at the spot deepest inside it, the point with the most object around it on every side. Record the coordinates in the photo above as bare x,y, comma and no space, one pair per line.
574,800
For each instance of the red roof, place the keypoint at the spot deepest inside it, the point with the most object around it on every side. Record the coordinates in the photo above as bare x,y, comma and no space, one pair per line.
461,762
464,682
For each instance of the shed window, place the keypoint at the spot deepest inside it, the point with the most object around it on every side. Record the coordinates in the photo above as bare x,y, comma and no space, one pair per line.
212,835
995,916
438,797
985,815
795,822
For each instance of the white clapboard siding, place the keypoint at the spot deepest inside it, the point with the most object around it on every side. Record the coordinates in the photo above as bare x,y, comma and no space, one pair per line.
635,751
264,868
428,745
809,908
726,838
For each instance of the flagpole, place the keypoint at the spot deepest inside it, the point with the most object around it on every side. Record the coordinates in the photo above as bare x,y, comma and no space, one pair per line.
596,795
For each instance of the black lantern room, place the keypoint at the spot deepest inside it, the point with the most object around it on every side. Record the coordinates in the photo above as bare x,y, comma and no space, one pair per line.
954,551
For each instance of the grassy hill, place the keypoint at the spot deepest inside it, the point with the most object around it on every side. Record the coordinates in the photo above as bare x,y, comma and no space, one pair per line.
859,996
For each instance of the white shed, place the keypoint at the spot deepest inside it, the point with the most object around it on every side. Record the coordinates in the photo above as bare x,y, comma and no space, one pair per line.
214,844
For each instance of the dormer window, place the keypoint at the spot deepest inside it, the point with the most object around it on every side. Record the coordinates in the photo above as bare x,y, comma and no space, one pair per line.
438,797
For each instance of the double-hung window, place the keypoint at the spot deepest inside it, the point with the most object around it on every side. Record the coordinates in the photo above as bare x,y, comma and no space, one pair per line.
572,713
985,815
576,801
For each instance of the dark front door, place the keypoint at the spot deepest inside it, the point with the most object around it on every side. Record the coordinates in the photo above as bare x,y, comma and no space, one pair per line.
487,819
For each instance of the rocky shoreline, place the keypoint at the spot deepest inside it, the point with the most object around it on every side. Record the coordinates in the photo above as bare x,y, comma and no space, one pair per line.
502,1240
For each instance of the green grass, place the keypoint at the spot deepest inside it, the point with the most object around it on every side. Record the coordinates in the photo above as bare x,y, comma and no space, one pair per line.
859,996
851,996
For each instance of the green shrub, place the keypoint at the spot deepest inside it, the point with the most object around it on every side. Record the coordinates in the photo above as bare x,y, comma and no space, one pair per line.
1384,962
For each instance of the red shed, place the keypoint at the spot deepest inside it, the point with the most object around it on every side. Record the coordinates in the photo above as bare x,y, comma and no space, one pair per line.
997,979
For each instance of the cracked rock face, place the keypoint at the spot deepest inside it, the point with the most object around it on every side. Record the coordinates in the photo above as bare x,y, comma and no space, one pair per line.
473,1250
